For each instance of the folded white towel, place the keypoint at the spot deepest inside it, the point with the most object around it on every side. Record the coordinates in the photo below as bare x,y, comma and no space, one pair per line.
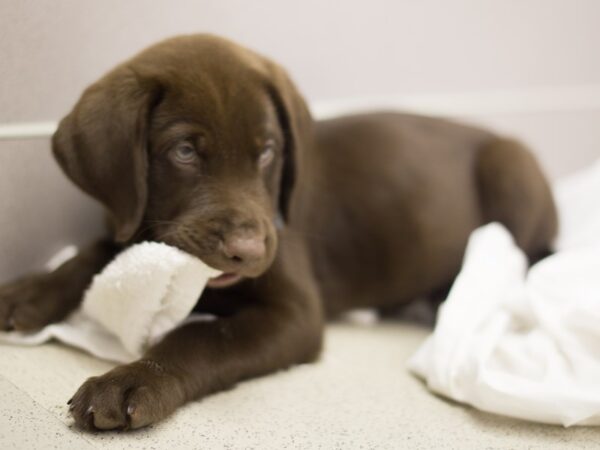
525,344
147,290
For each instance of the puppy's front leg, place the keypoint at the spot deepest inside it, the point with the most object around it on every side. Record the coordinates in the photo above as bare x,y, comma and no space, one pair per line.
203,357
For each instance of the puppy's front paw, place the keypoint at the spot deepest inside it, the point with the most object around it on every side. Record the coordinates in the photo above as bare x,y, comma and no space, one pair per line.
30,303
127,397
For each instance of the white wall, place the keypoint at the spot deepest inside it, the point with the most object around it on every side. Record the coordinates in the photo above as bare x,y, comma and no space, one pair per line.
51,49
530,68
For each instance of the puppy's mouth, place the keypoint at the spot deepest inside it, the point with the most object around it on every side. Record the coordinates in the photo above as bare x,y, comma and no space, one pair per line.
224,280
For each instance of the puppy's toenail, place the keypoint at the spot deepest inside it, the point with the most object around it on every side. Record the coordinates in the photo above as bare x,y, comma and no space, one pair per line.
130,410
90,410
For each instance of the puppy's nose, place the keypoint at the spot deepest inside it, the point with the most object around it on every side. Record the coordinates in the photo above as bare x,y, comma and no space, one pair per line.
244,249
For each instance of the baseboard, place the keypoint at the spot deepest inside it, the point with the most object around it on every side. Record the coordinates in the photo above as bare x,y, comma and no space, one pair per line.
465,104
27,130
473,104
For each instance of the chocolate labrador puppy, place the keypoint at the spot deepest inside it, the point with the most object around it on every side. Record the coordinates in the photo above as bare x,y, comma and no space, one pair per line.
207,146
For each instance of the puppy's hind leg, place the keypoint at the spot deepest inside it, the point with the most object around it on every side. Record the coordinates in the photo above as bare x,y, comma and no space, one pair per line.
514,191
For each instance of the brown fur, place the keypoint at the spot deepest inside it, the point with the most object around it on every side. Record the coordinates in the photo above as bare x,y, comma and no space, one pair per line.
362,211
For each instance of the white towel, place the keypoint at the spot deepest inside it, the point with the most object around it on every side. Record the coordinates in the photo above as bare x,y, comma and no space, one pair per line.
524,343
146,291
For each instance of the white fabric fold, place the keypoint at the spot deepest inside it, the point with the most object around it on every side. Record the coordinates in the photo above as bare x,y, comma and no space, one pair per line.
524,343
146,291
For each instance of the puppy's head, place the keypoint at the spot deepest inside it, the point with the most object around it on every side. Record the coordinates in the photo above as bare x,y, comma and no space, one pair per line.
194,142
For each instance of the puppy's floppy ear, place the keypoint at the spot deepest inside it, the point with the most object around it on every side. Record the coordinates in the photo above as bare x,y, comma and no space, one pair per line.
101,146
297,124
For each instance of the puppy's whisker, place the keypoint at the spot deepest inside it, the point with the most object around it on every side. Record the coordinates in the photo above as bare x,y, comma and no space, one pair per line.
166,222
168,234
152,224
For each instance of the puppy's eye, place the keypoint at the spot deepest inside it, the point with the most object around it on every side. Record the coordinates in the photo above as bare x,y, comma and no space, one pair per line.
267,155
185,153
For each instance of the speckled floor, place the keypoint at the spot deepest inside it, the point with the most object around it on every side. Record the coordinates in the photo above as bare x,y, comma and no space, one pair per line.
358,396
